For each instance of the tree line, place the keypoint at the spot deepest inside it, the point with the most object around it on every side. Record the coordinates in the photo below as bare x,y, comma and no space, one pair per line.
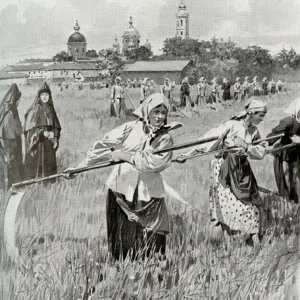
214,58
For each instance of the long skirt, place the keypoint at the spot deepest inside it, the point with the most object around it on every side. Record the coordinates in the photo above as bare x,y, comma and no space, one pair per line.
234,215
287,176
128,237
117,108
42,161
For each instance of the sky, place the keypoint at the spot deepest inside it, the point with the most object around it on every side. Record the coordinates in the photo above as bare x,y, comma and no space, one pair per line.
41,28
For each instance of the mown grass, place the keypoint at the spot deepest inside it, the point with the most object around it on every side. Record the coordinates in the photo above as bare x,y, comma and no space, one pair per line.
61,227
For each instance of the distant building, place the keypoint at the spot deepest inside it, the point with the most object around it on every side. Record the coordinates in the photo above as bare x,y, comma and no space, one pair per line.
131,38
40,61
31,70
77,44
71,70
148,45
8,79
175,70
182,22
116,46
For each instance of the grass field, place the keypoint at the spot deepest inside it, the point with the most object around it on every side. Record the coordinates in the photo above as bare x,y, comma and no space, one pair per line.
61,227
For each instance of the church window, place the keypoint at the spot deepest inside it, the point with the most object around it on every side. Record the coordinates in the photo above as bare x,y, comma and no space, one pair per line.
33,72
61,72
181,23
82,50
181,32
67,72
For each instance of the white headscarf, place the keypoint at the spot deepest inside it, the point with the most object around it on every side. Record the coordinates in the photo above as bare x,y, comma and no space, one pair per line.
154,100
252,106
294,108
145,81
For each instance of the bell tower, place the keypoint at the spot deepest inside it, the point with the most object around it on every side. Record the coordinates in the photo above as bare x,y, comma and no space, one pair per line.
182,22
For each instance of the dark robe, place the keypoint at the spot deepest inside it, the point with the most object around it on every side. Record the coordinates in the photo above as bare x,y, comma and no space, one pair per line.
184,93
226,91
40,156
287,182
265,88
10,140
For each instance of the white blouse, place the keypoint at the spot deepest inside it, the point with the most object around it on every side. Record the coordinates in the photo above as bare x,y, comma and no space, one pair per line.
237,128
144,172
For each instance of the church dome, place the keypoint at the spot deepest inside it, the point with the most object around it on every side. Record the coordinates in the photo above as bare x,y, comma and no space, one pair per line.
182,6
77,37
131,31
147,44
116,43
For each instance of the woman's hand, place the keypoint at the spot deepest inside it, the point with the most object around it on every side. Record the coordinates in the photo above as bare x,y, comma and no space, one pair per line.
240,143
295,139
55,144
119,155
181,158
68,175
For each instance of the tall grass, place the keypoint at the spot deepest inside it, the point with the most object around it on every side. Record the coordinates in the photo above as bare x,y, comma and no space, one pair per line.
61,227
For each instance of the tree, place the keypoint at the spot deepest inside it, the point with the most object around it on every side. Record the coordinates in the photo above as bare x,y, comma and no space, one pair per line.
177,47
287,58
111,60
63,56
142,53
92,54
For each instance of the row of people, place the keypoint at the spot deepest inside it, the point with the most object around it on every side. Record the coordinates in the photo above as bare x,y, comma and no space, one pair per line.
41,134
137,216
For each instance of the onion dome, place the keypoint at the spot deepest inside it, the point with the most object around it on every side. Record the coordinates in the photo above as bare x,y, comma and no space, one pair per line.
131,31
77,37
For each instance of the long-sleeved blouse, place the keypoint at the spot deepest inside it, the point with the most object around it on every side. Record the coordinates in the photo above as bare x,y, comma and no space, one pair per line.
143,173
237,128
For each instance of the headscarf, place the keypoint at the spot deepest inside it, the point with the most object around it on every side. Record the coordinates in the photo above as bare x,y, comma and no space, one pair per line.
145,81
9,101
254,78
185,80
118,78
225,80
252,106
294,108
237,79
143,112
41,114
9,104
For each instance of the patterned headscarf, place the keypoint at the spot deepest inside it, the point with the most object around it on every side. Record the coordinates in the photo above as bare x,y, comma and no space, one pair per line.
252,106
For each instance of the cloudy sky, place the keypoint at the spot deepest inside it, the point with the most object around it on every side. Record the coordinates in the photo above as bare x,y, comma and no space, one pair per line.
40,28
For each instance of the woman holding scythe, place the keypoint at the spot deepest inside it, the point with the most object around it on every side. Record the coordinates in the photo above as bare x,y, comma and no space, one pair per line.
137,217
235,203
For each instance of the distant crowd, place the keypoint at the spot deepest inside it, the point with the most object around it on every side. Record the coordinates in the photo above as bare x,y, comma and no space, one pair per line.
208,93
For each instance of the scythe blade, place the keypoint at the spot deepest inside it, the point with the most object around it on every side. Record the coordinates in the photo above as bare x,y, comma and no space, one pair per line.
14,199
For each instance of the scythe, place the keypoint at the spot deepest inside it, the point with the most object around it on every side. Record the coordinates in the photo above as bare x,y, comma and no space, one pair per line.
18,190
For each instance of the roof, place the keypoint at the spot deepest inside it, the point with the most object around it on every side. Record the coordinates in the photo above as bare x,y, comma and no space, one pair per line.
22,68
77,37
94,73
157,66
71,66
5,75
37,60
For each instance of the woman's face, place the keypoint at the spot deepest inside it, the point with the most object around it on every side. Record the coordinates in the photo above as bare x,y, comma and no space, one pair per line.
18,101
44,97
256,118
158,115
